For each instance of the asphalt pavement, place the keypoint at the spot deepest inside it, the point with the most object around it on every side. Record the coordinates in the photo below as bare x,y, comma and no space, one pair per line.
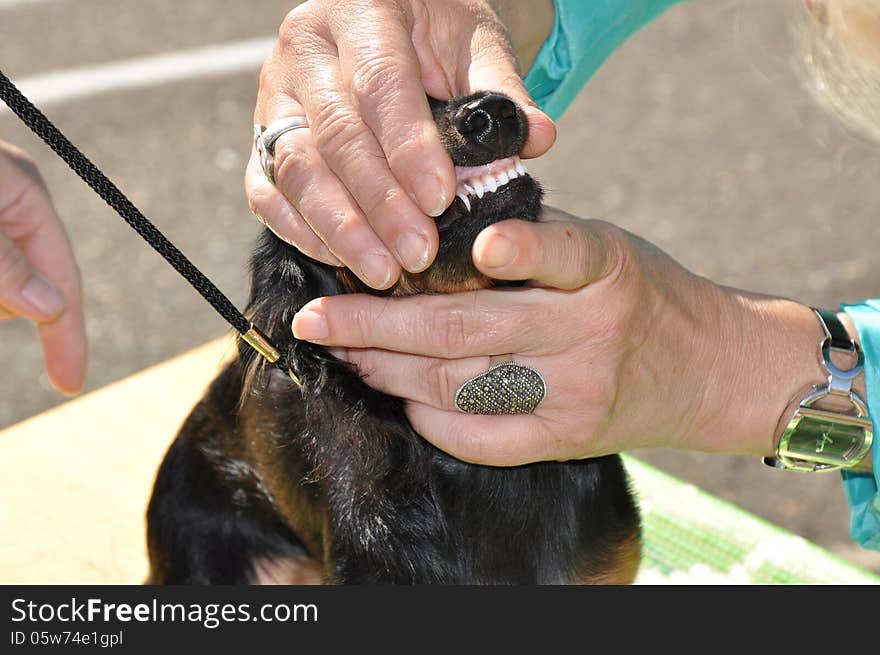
697,135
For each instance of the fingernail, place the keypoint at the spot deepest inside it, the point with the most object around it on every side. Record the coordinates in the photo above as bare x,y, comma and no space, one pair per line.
43,296
498,252
412,248
310,325
430,195
376,269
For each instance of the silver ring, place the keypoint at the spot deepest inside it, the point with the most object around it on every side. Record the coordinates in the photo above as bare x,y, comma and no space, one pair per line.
265,138
506,388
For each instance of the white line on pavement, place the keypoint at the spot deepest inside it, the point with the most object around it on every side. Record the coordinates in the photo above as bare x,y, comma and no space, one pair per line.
8,4
211,61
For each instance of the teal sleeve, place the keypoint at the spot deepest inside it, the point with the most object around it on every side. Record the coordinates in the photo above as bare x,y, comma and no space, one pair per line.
585,33
862,488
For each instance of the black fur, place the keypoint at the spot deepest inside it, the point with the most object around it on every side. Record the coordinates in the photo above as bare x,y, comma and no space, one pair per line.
262,471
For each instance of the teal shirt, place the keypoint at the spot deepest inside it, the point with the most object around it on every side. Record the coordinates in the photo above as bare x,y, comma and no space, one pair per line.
585,33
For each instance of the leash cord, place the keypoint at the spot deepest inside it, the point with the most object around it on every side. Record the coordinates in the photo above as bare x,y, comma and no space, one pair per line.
110,193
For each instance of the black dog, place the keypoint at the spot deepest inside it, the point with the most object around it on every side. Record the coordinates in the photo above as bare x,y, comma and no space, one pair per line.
267,482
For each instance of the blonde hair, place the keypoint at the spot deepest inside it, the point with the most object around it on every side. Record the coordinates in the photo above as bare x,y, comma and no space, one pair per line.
841,55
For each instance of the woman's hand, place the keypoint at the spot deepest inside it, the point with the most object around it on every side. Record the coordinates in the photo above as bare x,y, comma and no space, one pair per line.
635,350
358,186
38,275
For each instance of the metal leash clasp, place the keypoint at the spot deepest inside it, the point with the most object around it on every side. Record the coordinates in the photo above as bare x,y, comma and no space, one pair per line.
260,342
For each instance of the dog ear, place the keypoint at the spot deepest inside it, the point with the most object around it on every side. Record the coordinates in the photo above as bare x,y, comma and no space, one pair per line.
282,281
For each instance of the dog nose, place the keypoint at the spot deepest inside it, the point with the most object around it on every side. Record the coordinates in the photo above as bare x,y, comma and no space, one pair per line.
490,122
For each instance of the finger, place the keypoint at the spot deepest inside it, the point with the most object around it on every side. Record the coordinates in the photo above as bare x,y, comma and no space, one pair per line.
427,380
23,290
493,67
481,439
312,189
351,151
330,211
65,350
449,326
53,289
317,194
273,210
64,342
382,68
561,254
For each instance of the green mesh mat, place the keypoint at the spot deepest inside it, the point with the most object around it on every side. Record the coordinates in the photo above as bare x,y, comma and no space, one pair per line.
692,537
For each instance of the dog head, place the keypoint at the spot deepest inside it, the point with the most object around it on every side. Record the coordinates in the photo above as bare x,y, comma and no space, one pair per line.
483,132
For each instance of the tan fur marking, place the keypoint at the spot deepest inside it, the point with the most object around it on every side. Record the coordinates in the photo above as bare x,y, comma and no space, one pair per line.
414,283
622,568
288,571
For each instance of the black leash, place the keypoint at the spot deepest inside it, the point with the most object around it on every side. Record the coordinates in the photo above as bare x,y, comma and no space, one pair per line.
92,175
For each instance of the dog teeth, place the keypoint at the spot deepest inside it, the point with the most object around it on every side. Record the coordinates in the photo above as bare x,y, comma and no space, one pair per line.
489,182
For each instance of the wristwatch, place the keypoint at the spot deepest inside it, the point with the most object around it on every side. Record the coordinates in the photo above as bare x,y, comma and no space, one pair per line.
818,438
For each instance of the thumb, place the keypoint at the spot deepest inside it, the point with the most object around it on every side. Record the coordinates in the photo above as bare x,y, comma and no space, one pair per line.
565,254
494,68
22,289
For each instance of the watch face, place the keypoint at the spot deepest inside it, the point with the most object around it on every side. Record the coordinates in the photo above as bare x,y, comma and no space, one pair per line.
826,438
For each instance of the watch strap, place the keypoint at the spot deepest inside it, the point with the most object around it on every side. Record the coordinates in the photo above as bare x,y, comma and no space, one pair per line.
835,330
